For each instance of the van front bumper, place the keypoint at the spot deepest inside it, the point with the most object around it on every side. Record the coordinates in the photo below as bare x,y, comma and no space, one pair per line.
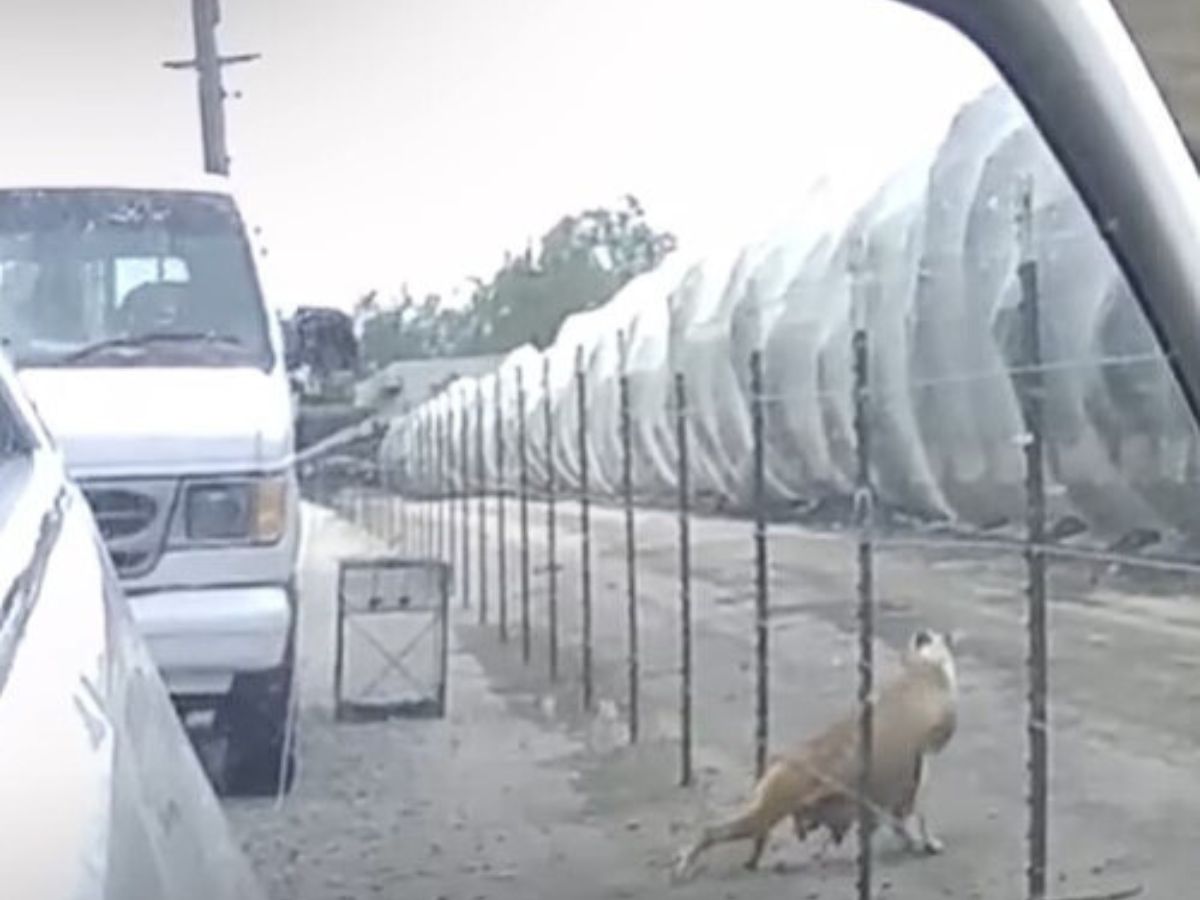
200,638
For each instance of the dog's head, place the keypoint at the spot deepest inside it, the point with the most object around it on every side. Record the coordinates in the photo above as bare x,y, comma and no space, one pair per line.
932,648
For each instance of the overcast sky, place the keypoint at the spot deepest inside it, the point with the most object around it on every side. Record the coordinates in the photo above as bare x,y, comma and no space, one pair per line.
384,141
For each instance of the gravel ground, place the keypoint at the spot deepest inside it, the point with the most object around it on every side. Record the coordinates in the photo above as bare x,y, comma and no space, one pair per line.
518,793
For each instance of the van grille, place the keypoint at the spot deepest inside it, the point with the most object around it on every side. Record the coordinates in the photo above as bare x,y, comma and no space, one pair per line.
128,563
132,518
121,513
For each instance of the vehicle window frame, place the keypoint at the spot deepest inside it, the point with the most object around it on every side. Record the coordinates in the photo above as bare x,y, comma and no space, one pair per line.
1083,82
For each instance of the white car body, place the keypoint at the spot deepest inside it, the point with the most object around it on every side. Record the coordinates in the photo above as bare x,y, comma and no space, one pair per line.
101,796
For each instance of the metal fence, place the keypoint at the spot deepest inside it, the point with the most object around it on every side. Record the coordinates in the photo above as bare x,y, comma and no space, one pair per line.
440,502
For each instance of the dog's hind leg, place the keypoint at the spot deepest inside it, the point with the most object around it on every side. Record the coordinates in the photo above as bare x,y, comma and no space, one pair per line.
742,828
802,826
760,844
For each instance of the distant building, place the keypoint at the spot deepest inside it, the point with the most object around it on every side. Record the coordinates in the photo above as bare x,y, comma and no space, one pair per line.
403,385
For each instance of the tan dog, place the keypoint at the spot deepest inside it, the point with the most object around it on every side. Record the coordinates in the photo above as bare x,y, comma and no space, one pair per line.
817,785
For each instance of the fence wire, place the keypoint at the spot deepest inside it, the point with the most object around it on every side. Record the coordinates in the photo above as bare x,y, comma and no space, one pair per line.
425,506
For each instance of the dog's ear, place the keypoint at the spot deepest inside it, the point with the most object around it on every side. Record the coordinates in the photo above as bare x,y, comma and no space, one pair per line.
953,639
922,639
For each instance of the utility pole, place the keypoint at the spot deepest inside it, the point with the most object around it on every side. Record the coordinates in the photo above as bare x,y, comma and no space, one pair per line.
206,15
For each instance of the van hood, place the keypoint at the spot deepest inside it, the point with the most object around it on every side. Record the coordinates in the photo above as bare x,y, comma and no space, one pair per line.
148,422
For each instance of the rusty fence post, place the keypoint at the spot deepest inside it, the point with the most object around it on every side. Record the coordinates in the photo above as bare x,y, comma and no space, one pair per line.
482,486
762,612
1032,399
407,480
632,659
864,506
523,500
551,527
464,474
422,486
395,493
385,488
360,504
501,517
419,489
411,546
585,533
430,483
434,485
421,482
443,488
421,479
451,496
685,584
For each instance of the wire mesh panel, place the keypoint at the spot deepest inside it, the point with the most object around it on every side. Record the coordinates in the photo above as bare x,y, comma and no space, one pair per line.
390,657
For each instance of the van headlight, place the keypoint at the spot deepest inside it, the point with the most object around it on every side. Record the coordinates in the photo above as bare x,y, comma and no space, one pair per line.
249,511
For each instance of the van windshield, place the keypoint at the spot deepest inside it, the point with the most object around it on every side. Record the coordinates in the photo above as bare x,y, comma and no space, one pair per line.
129,278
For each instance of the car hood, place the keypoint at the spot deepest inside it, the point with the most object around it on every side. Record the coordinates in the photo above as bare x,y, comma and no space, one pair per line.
121,422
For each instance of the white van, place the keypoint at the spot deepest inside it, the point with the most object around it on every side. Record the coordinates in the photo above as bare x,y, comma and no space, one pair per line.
135,316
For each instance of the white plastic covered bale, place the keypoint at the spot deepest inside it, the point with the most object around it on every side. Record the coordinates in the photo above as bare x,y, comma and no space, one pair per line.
930,250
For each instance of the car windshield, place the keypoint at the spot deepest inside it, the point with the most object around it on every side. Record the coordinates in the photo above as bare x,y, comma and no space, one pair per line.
114,277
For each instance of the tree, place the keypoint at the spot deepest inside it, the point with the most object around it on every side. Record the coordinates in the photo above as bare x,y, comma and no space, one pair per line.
580,263
408,330
366,307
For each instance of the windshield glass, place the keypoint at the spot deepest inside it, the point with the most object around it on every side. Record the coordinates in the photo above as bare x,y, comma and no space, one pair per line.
122,275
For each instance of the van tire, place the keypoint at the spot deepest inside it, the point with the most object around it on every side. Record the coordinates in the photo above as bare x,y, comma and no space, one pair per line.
259,757
254,720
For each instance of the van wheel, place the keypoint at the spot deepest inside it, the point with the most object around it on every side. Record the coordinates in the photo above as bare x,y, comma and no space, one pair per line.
259,757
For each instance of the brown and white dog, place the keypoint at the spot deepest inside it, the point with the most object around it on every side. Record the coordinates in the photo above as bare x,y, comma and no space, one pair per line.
817,784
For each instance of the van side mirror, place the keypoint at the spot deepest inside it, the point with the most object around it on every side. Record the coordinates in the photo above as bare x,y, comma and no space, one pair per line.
291,346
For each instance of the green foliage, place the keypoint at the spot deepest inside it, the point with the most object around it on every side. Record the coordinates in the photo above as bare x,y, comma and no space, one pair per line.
581,263
408,330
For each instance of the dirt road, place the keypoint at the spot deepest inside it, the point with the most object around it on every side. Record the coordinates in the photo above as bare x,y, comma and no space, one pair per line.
519,794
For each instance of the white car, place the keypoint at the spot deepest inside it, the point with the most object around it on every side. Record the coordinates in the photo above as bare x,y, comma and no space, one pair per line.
134,315
101,796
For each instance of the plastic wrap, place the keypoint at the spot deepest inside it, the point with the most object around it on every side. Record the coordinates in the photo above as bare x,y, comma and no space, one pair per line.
935,245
